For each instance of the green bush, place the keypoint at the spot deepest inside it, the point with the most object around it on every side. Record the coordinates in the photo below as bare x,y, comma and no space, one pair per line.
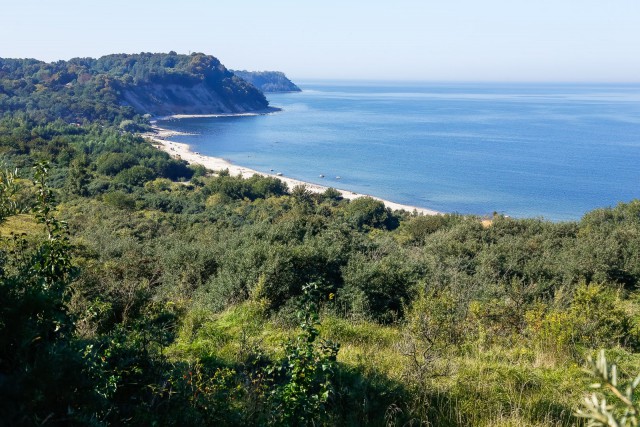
114,163
600,320
595,318
120,200
382,287
367,213
135,176
305,376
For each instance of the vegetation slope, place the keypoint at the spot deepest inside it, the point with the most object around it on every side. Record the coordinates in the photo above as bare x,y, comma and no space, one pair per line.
138,290
117,87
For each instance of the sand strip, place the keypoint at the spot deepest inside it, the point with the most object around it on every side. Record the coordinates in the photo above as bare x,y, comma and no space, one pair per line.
179,150
268,110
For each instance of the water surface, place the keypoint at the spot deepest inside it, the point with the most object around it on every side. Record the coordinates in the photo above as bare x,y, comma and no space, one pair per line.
526,150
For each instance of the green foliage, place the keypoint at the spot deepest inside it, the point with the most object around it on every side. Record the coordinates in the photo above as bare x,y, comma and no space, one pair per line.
268,81
203,396
113,163
378,285
135,176
595,317
237,188
79,177
441,319
8,190
434,319
332,194
41,368
417,229
119,199
87,90
198,170
600,320
307,371
366,213
624,412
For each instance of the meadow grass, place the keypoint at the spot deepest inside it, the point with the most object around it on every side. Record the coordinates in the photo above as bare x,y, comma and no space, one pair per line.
475,385
20,224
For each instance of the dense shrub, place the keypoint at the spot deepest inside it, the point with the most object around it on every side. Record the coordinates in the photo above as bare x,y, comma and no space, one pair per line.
135,176
365,213
114,163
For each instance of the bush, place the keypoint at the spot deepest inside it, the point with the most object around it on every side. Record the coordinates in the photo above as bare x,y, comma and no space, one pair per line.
595,318
417,229
198,170
113,163
382,287
307,371
366,213
135,176
332,194
600,320
119,200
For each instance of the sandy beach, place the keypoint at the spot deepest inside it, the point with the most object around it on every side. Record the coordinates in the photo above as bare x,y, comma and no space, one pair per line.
161,137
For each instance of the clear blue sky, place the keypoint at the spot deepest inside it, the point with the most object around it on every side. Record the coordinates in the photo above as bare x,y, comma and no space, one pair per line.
472,40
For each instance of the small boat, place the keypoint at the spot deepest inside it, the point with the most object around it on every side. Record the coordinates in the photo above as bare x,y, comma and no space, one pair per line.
279,174
337,177
321,176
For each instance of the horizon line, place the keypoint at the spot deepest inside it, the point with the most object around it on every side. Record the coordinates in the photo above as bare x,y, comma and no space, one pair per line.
459,81
379,79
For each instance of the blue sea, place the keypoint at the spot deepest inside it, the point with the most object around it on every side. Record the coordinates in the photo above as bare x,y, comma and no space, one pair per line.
526,150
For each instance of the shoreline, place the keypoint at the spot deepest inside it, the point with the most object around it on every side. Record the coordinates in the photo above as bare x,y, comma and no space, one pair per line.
160,136
268,110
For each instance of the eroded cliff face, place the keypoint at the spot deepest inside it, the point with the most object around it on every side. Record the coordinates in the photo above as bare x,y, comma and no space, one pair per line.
201,98
103,89
164,84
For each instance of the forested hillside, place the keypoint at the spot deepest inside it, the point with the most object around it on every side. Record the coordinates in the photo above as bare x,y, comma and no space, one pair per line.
118,87
138,290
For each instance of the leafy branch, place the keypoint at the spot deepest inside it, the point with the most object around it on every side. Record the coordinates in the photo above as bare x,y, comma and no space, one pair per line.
8,190
597,411
308,370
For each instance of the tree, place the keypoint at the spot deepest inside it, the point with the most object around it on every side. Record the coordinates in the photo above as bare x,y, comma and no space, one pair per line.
8,190
78,177
308,370
44,376
366,212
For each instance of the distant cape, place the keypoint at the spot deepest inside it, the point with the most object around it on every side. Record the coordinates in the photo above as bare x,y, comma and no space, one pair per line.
268,81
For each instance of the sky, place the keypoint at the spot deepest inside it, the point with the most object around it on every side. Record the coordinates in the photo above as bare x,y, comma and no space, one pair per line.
426,40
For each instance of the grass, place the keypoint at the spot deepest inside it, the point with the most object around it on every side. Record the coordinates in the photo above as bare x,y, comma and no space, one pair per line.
20,224
498,386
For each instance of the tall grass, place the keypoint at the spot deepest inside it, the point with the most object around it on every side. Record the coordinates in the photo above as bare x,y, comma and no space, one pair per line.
473,385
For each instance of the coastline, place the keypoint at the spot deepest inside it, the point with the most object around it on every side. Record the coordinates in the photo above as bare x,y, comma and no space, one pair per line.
161,137
268,110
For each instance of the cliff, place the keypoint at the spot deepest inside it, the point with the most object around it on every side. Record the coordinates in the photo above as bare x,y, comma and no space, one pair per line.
167,99
195,84
121,86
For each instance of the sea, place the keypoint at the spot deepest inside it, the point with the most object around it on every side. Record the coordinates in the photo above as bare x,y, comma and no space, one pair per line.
553,151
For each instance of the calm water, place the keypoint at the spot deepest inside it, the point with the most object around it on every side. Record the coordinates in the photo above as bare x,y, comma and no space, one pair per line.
556,151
